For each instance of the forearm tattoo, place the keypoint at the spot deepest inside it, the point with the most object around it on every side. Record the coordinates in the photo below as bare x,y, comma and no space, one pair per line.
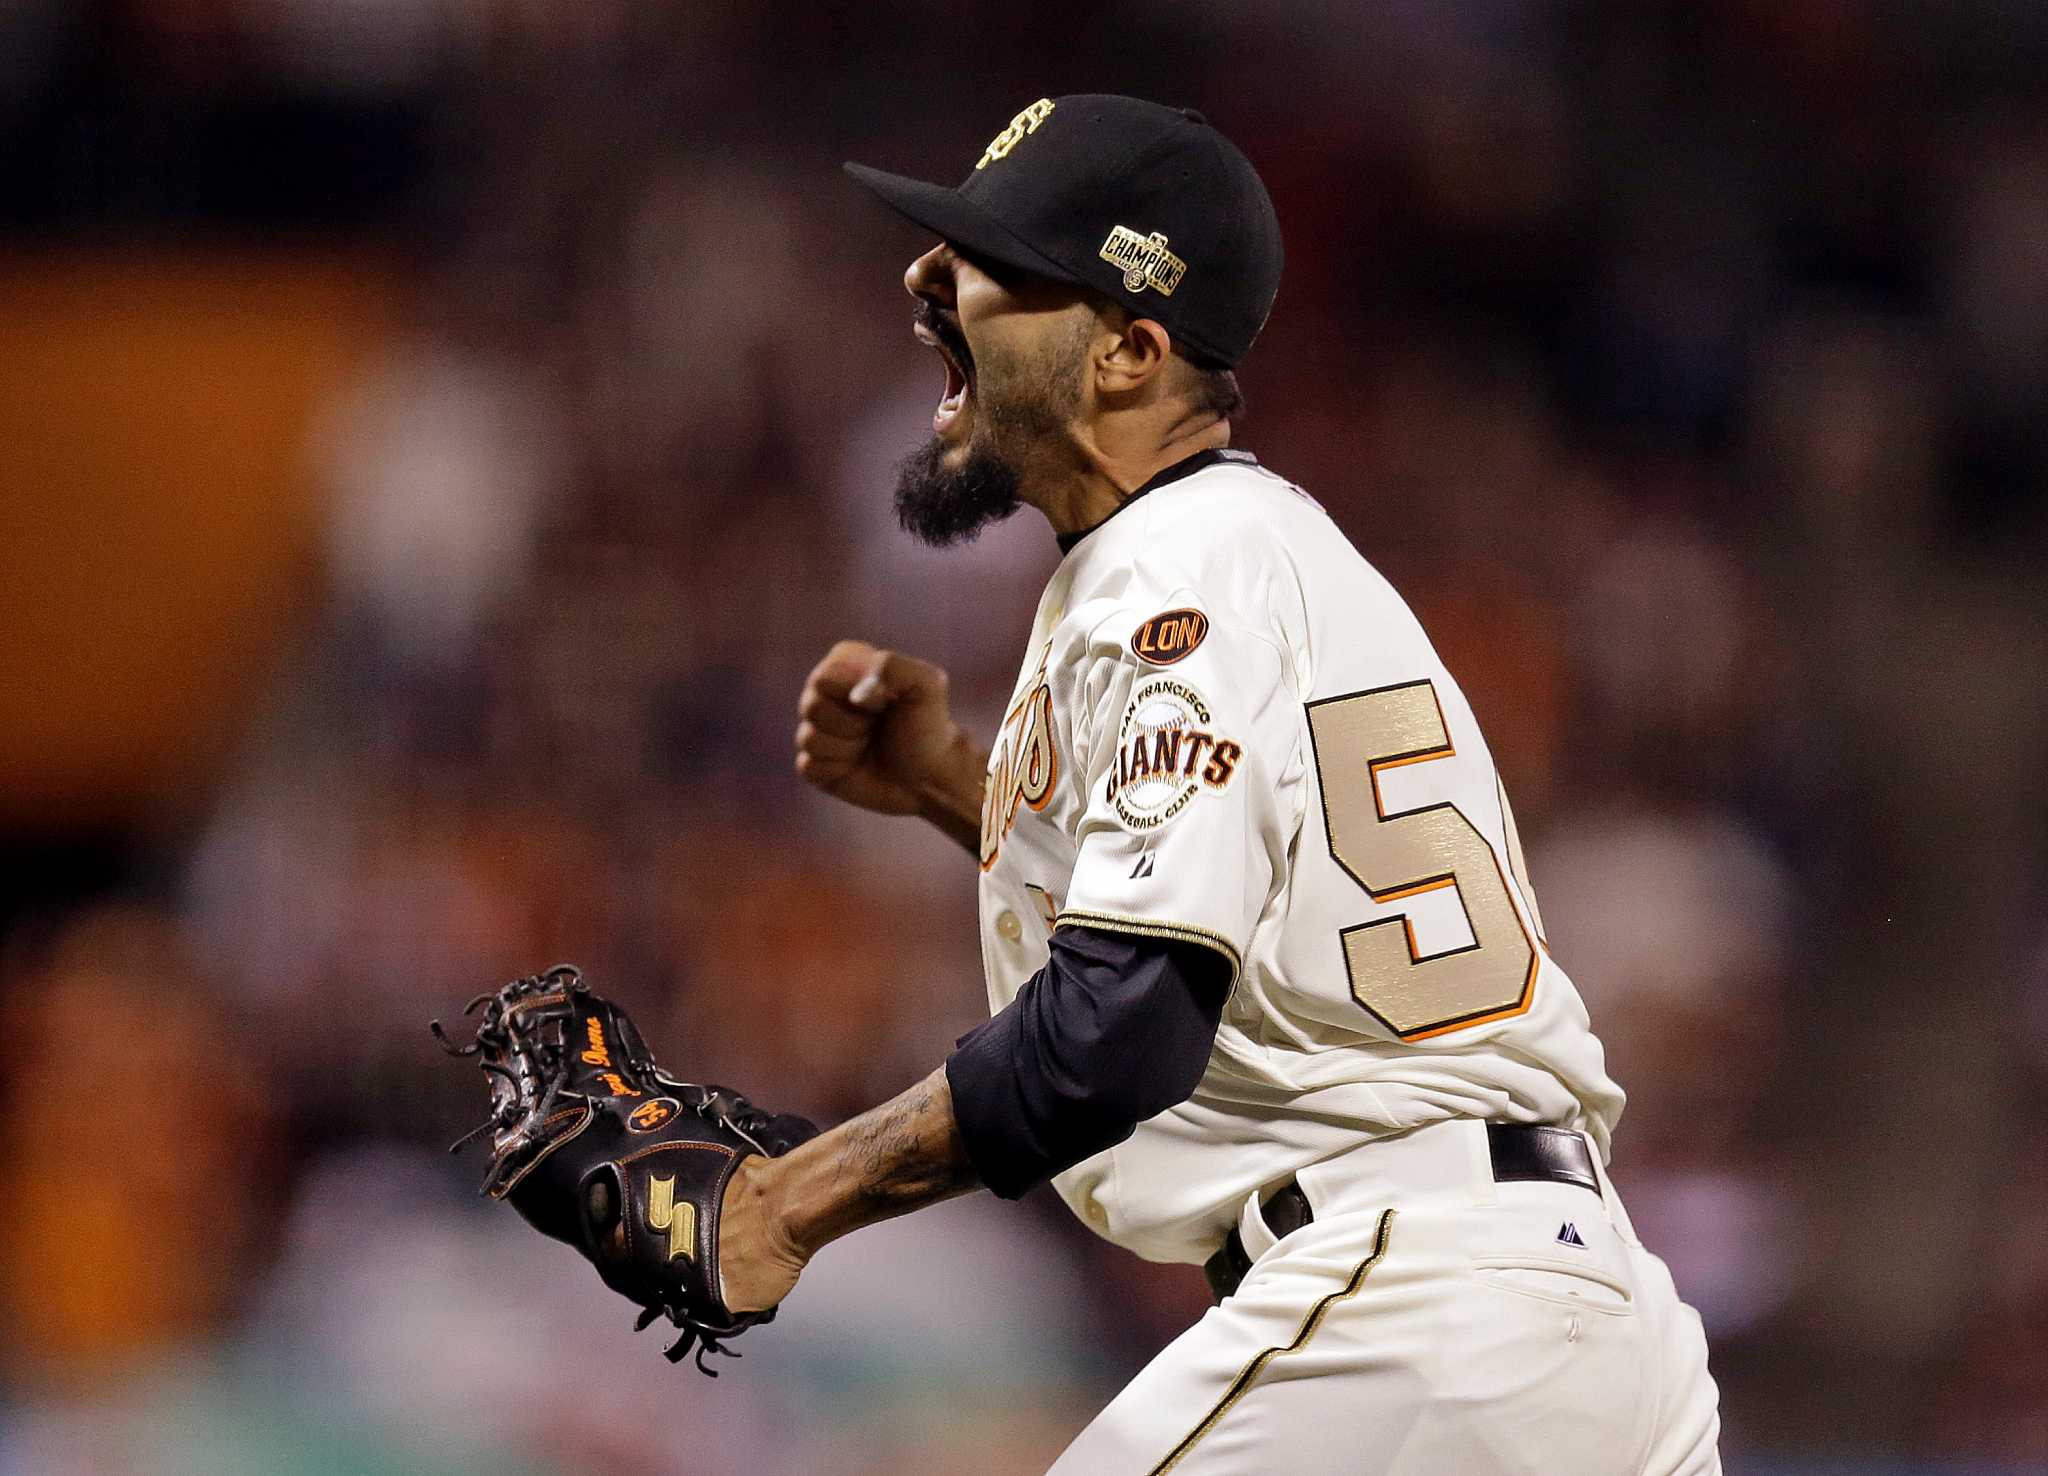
907,1152
901,1156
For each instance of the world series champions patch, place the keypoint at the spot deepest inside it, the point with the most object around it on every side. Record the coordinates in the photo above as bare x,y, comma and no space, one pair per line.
1167,753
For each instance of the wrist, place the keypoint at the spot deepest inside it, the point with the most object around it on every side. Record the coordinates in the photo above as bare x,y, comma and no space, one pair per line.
950,795
759,1193
789,1215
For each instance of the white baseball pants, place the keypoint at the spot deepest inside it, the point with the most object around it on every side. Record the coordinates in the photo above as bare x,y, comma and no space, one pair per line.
1429,1322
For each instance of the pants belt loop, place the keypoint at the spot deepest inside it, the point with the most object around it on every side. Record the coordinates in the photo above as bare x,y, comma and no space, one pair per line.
1617,1216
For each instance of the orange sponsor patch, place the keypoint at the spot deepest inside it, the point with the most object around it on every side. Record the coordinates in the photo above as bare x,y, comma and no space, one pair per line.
1170,636
651,1114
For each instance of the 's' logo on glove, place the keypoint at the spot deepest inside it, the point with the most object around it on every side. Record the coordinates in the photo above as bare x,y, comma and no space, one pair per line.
679,1220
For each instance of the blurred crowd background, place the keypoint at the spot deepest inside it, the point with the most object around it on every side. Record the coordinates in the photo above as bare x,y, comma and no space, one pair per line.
437,436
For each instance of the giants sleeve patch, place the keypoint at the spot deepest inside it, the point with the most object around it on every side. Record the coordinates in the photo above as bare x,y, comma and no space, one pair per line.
1169,636
1167,753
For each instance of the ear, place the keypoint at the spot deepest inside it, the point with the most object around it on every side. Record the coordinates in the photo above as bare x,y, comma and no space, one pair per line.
1135,354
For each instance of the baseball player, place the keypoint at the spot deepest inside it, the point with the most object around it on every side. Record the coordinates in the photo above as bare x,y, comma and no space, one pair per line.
1270,987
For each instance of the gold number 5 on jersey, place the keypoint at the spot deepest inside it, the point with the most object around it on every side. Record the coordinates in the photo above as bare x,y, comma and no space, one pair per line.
1405,853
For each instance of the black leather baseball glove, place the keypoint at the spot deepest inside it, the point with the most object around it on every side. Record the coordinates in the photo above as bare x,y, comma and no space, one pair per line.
595,1145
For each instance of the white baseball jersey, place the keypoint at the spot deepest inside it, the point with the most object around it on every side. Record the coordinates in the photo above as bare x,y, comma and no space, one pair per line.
1229,729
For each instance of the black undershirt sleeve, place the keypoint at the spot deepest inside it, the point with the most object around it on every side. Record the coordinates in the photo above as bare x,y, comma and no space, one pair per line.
1114,1029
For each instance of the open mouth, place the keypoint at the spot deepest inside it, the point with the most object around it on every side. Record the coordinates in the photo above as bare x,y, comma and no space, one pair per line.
958,381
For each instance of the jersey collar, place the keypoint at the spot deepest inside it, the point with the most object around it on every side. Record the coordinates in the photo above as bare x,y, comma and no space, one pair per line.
1187,466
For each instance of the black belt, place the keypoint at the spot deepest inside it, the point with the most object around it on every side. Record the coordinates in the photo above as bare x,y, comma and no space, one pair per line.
1521,1152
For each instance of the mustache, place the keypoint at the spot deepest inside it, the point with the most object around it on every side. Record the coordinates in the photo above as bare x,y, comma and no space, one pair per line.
946,328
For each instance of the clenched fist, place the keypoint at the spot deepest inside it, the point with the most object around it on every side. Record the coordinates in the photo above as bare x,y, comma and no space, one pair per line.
875,729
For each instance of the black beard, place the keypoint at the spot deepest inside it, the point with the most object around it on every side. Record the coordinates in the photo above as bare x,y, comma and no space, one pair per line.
941,505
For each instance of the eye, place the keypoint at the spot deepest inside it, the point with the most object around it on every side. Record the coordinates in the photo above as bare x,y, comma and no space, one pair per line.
1004,276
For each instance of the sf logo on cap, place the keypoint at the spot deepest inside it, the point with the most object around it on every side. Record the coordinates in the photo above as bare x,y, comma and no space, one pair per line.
1025,122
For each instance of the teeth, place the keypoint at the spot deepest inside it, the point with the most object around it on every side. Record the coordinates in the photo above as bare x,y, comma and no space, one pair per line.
955,392
956,379
932,341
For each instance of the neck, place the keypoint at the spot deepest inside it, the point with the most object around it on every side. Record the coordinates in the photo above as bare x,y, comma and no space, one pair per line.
1099,472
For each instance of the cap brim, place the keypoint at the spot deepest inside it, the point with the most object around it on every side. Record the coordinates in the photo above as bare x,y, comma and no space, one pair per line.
947,213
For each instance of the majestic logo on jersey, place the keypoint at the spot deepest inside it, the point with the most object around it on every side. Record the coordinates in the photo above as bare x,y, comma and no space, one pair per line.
1024,123
1166,754
1144,261
1022,765
1168,637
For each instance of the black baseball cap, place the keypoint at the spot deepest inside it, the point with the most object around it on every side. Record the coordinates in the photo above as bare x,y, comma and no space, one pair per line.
1145,204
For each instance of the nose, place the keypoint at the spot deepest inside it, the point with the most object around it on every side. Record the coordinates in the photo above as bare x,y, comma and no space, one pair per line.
931,275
